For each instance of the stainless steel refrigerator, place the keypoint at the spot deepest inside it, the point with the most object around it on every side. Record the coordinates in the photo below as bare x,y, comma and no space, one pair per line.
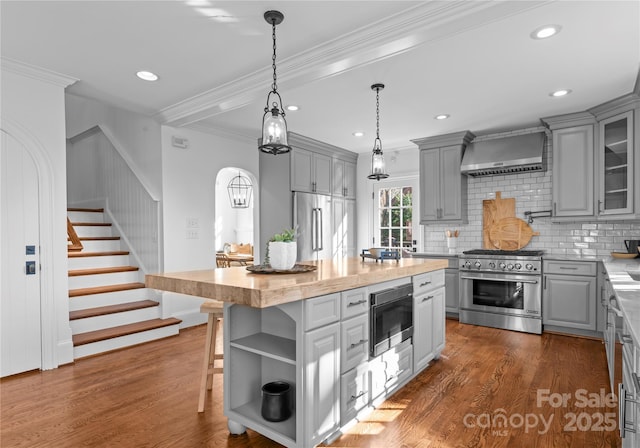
312,215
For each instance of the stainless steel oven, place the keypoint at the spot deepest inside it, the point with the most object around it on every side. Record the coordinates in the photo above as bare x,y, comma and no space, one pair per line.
391,318
502,290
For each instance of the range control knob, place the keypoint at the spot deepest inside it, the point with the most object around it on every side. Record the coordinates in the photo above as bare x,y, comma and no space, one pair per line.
492,265
510,266
502,265
529,267
518,266
477,264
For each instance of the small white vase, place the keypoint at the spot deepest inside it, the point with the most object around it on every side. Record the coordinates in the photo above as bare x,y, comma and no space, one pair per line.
282,256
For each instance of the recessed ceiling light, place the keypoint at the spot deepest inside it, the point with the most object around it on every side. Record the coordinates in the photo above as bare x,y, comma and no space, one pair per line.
147,76
559,93
545,31
358,134
293,107
442,116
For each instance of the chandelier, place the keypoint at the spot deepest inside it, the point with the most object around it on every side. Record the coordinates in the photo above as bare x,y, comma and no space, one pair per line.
274,126
240,190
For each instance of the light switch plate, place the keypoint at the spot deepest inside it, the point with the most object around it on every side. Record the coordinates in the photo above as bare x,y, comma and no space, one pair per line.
30,250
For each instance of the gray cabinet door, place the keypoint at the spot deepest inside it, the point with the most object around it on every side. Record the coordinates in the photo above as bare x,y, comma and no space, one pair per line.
451,181
429,185
302,170
322,383
321,174
422,330
569,301
573,172
337,188
452,300
349,182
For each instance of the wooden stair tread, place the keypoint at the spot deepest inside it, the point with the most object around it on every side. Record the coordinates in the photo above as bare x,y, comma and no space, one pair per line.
122,330
97,254
99,238
103,289
111,309
109,270
80,209
91,224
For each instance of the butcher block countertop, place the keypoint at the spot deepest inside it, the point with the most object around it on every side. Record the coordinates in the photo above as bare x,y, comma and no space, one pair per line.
237,285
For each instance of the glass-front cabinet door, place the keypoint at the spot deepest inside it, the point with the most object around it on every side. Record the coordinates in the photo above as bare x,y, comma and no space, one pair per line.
616,162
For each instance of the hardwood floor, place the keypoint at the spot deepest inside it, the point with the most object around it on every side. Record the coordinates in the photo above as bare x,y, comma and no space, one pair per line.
147,396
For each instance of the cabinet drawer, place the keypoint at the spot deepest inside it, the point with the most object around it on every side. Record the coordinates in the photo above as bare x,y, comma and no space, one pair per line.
354,337
428,281
570,267
354,302
399,366
354,392
322,310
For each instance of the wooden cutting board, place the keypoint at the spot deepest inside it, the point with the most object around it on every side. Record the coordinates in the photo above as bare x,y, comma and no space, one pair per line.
511,234
493,210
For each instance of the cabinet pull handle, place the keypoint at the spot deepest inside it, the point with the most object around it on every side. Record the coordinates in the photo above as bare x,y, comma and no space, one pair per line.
544,282
427,298
554,209
569,268
424,284
356,303
599,206
395,375
355,397
357,344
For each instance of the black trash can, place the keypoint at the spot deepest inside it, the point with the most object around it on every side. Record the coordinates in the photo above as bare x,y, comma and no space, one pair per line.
276,401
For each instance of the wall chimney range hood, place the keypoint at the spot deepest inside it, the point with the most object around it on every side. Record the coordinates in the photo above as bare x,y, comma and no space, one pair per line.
506,155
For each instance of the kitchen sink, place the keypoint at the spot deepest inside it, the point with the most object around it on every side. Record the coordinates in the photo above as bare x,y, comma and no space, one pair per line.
634,275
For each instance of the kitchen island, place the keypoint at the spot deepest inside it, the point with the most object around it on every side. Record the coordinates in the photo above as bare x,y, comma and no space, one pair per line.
311,330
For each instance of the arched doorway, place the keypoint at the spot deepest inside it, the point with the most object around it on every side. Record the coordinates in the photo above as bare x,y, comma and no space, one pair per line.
234,224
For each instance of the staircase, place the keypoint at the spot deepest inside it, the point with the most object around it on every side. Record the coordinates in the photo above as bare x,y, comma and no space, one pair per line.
110,308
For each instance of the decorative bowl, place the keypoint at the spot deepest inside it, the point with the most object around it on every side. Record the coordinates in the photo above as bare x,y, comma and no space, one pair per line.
623,255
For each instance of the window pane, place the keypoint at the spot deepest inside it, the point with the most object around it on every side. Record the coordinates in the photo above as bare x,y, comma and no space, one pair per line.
407,196
395,217
395,197
395,237
407,237
384,238
406,217
384,218
384,198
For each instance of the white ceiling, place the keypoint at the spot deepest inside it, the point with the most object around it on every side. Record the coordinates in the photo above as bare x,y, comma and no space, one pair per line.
474,60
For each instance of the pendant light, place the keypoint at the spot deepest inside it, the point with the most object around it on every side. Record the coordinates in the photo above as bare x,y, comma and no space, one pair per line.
240,190
274,126
377,159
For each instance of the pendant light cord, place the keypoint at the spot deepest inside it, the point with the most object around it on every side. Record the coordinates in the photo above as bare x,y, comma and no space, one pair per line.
274,86
378,113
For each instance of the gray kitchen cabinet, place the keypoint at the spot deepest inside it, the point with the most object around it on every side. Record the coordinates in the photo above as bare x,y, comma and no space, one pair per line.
322,383
443,188
343,227
452,289
596,161
428,318
616,161
344,179
569,294
573,174
310,171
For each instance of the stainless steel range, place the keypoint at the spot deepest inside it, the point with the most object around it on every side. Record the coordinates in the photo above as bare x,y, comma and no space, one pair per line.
502,289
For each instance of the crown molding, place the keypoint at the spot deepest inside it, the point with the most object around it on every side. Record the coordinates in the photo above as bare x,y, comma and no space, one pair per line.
208,128
41,74
413,27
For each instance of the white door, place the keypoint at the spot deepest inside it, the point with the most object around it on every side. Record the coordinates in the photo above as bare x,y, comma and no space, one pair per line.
20,344
396,214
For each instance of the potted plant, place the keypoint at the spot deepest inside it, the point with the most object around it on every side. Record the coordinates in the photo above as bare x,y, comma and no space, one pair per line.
282,250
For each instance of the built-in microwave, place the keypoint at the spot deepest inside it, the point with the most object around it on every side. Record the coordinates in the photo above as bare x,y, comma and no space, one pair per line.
391,318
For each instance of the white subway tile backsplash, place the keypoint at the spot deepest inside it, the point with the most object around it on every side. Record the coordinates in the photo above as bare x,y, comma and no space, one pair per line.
532,192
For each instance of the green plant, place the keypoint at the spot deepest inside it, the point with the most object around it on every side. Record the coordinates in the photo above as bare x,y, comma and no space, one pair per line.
286,236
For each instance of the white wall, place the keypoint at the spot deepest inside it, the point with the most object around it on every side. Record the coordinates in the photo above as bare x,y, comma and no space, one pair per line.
138,135
33,111
189,181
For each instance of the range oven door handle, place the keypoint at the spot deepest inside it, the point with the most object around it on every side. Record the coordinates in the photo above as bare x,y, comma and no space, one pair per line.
500,280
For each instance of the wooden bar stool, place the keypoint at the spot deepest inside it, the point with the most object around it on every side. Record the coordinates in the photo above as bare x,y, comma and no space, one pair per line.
214,309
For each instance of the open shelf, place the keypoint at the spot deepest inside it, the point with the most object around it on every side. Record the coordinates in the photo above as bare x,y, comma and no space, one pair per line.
282,432
268,345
